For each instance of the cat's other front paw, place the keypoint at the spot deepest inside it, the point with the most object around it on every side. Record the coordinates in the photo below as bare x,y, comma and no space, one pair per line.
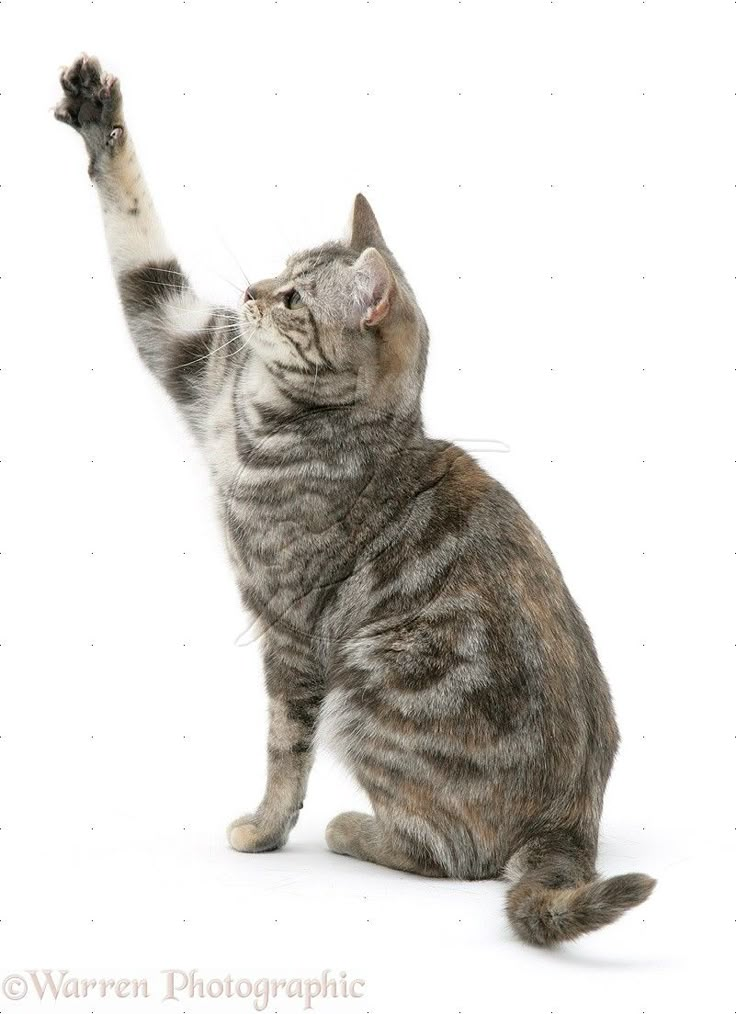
251,834
92,105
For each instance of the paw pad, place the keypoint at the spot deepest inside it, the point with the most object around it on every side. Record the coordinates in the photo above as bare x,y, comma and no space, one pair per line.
92,101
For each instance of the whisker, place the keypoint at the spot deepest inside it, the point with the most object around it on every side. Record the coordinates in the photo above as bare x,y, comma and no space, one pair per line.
170,285
243,348
182,274
235,259
179,329
166,271
209,328
208,354
238,288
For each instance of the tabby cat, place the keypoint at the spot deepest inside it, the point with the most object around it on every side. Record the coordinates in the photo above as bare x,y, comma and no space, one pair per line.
411,615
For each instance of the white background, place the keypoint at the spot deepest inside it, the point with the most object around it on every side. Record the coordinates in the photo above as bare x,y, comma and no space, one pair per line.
559,181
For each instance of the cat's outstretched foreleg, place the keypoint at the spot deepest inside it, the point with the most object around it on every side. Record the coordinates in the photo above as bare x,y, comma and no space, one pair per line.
180,336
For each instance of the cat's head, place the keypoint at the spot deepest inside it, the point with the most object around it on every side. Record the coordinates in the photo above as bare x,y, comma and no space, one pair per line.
341,323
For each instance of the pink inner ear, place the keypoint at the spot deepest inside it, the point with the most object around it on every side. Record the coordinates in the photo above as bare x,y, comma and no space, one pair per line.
376,283
376,314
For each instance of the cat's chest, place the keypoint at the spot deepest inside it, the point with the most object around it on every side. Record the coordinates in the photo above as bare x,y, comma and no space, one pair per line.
269,503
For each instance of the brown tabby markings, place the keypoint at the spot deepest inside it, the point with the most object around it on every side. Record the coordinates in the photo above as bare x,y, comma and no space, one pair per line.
410,612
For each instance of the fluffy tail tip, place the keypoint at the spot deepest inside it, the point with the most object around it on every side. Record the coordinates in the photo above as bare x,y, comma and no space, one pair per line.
545,916
627,890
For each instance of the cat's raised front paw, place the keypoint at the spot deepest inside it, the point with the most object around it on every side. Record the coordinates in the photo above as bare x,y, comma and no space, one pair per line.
93,105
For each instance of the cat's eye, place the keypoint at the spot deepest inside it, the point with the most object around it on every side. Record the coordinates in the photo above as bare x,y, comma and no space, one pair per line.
291,299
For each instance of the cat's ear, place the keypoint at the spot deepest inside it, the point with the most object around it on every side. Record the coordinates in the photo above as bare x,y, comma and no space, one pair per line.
374,285
364,231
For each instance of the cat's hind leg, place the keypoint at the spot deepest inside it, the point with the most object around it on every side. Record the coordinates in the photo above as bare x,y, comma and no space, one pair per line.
364,837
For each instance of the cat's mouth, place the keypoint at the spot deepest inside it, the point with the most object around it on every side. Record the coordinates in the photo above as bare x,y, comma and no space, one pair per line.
255,325
251,312
252,320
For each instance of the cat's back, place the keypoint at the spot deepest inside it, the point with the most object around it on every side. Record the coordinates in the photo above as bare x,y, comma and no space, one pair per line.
509,579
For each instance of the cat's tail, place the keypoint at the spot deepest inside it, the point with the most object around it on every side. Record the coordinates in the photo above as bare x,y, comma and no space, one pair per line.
555,895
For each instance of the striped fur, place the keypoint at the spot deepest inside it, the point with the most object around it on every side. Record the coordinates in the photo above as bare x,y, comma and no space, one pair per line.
411,615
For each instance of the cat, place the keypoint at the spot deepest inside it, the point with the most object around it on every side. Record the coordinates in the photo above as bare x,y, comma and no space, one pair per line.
410,613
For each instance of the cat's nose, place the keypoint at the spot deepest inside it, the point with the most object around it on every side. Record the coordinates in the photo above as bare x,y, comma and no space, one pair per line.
248,294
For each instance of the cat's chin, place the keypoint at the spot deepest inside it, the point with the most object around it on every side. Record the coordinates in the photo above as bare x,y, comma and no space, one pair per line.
271,348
